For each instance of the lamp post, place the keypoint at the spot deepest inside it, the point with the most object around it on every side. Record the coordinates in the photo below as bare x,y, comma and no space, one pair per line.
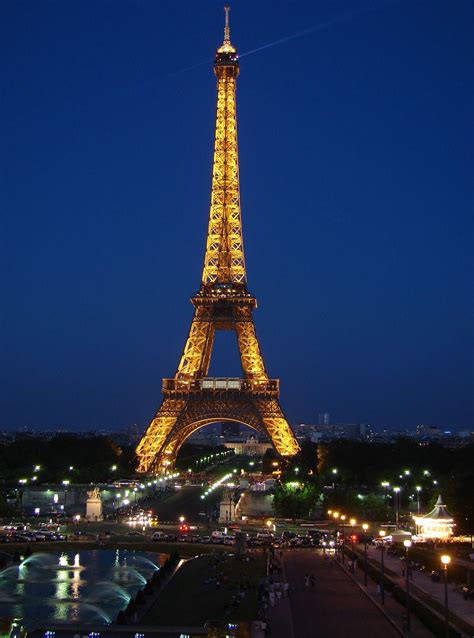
407,545
66,484
382,584
396,504
445,559
336,533
365,527
418,490
343,519
334,474
352,522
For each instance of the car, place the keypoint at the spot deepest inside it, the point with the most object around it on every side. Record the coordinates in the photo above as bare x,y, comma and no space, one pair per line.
265,536
218,534
217,540
39,536
287,535
205,539
158,536
133,533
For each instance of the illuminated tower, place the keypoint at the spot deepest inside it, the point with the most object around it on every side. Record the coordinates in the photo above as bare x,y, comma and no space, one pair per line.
191,399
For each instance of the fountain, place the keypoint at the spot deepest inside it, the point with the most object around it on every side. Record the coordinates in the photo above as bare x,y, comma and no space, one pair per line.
99,611
111,590
9,571
130,571
143,559
38,560
83,586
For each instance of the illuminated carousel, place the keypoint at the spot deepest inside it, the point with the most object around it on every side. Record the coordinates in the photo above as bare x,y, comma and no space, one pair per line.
437,524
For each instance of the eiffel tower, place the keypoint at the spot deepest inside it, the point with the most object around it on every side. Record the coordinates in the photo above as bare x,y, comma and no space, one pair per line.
191,399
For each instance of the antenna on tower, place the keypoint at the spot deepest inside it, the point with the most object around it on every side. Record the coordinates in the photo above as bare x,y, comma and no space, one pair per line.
227,28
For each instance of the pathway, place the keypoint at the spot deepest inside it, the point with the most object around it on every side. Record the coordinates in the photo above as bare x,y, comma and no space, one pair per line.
462,608
334,607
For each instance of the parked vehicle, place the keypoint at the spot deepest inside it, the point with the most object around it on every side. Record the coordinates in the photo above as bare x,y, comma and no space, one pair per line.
158,536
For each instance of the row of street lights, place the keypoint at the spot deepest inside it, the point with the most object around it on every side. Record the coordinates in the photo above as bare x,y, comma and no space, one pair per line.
445,561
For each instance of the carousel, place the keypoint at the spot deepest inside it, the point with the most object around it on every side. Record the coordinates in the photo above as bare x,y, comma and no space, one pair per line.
437,524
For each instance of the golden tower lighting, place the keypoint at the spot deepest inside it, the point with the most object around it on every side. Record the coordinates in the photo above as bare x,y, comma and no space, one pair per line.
191,399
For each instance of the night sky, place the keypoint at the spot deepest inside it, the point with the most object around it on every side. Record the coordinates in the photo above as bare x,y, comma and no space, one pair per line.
356,173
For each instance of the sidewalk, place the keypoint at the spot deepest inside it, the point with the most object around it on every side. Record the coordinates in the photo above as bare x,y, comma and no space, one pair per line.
464,609
392,608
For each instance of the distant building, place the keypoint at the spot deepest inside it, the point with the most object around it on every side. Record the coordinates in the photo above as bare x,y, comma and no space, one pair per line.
331,431
251,446
323,419
428,432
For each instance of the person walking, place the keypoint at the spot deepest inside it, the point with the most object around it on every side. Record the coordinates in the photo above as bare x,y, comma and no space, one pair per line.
306,580
312,580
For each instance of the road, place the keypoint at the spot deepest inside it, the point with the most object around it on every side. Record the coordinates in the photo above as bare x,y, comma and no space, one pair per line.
184,502
335,607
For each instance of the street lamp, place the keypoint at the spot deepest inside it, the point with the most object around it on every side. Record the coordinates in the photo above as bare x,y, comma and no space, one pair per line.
365,527
407,545
352,522
418,490
334,474
382,585
343,519
445,559
65,483
336,533
396,504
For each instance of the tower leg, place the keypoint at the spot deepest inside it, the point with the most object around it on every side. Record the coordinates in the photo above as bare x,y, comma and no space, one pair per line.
152,442
277,426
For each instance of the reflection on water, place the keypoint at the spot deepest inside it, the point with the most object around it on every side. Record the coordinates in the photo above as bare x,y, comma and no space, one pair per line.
86,586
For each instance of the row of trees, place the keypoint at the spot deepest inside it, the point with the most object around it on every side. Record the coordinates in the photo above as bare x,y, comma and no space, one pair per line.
70,457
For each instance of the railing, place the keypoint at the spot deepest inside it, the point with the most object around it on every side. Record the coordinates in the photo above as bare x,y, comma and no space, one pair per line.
225,384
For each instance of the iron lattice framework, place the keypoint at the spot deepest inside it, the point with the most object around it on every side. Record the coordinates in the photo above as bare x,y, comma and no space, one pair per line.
192,400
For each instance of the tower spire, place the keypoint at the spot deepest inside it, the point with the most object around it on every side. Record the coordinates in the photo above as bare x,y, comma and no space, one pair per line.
226,46
226,28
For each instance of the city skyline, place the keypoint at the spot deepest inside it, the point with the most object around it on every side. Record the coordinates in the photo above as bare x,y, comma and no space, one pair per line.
371,161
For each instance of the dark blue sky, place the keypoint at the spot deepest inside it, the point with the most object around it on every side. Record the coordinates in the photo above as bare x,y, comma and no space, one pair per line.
356,167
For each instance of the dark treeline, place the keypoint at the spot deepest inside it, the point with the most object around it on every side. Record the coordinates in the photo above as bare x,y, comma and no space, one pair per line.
91,459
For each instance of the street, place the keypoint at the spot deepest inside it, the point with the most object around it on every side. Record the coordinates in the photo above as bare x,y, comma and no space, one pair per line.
334,607
184,502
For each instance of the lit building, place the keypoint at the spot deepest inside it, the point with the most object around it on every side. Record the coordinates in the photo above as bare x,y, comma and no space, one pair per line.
250,447
437,524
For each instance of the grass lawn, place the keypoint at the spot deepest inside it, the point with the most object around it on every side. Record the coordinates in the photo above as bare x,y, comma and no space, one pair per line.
188,601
